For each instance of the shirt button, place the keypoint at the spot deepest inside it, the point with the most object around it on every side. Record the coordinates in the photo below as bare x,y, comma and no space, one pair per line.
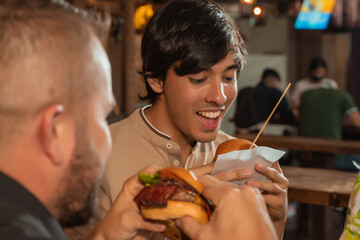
168,146
176,163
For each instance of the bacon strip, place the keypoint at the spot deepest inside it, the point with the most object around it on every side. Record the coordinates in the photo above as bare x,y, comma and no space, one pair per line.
155,196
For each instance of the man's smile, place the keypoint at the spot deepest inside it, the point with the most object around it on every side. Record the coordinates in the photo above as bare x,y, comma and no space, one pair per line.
209,114
209,119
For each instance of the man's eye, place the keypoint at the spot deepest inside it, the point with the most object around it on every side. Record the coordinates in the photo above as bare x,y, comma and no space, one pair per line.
230,79
197,81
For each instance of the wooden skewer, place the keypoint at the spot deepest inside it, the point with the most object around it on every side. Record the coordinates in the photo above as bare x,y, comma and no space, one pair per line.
277,104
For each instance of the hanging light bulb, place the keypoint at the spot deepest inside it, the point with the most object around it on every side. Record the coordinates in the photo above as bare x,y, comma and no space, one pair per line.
257,10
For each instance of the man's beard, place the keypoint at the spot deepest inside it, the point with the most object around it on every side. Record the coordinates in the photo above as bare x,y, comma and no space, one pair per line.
81,182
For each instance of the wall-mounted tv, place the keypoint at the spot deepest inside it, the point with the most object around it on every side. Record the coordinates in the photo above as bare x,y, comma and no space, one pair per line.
314,14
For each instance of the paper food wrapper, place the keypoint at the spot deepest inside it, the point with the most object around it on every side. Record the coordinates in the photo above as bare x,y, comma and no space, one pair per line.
246,159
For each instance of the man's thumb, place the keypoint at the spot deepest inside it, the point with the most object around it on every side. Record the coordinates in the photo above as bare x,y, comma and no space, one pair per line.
189,226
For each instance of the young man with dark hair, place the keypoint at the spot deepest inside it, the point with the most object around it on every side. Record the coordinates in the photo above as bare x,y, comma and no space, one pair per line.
192,56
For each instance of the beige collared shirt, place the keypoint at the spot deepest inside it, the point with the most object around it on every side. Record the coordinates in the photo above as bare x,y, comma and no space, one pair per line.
137,144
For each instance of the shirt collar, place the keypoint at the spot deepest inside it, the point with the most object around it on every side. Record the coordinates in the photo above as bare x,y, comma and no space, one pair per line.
154,129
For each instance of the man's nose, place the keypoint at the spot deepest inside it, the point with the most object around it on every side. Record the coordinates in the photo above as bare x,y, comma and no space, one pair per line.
216,93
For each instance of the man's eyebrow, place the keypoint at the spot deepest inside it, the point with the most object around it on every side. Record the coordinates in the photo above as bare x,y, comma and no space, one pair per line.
235,66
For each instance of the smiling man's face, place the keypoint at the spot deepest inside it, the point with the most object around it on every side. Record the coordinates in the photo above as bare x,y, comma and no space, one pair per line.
196,103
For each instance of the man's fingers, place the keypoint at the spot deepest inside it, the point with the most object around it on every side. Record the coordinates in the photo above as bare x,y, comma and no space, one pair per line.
135,221
216,192
276,165
233,175
208,180
133,184
203,170
265,186
272,201
273,175
190,226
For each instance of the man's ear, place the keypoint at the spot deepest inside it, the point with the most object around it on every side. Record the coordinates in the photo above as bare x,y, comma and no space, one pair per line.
57,134
156,84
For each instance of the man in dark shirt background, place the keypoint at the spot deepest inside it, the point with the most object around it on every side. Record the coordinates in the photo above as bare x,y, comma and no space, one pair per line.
254,104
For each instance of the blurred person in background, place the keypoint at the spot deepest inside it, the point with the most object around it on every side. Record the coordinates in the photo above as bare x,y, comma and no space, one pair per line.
254,105
317,75
323,111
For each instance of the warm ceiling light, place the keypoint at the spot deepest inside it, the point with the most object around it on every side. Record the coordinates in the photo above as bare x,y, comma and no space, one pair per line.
248,1
257,11
142,16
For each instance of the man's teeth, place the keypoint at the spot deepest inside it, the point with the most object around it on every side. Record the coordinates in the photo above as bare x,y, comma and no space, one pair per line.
210,114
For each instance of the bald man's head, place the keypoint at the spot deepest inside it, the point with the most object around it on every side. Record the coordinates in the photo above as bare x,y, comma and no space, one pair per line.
48,54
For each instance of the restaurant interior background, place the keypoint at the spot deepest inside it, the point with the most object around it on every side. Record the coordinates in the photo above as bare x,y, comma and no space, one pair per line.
271,39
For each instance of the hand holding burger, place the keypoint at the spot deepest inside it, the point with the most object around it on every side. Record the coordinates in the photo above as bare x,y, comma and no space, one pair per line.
171,194
123,221
240,213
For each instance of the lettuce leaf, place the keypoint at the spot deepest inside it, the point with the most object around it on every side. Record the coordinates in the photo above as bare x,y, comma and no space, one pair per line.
149,179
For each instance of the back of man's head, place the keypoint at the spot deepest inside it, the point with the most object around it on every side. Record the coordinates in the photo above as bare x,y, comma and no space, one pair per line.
43,48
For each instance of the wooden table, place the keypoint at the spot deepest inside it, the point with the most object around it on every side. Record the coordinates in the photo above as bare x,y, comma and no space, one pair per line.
306,143
319,186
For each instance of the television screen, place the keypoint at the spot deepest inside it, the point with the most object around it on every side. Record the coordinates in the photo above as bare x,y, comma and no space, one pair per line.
314,14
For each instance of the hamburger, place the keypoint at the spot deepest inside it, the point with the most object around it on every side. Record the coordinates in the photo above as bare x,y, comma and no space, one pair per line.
170,194
232,145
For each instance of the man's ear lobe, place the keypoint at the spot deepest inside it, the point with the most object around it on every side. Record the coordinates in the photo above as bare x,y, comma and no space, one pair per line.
156,84
55,126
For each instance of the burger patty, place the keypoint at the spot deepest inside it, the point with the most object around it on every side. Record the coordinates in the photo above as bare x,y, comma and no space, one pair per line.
155,196
158,194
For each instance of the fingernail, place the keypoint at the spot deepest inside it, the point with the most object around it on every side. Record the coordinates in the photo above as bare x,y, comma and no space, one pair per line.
247,173
260,166
251,183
